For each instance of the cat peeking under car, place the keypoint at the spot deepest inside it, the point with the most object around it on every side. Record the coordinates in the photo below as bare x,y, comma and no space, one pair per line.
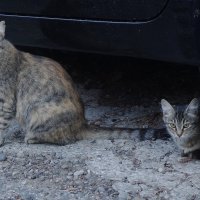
183,126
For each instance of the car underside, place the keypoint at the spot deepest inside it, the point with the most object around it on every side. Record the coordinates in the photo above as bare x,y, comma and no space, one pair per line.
166,30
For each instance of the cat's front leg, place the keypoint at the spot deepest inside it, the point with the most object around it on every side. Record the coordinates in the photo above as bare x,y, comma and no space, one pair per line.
2,139
7,112
186,157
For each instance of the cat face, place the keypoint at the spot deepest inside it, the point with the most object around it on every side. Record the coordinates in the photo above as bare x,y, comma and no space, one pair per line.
181,124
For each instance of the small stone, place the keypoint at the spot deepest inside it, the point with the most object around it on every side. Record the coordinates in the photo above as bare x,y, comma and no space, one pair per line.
39,158
53,154
20,154
46,162
161,170
123,195
28,196
97,123
58,156
14,173
88,174
70,174
52,163
101,190
88,171
31,171
33,176
24,182
145,126
2,157
64,166
69,177
64,196
78,173
166,197
42,178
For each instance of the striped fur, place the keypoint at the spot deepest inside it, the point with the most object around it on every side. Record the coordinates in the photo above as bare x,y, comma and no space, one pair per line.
183,125
38,94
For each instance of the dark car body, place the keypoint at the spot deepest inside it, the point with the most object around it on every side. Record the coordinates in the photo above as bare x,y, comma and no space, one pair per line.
167,30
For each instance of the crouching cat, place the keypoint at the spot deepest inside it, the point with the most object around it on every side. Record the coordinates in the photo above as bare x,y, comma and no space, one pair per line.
38,96
183,126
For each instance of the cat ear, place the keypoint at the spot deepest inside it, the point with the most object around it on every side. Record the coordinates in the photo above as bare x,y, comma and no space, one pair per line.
192,109
168,110
2,30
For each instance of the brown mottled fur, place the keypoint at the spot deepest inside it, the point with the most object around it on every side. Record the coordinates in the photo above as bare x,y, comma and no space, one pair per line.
40,95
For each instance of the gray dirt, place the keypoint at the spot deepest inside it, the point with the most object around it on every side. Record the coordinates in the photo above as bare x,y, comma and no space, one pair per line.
146,167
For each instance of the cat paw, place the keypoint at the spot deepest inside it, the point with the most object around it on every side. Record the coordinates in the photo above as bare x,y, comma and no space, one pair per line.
185,159
1,142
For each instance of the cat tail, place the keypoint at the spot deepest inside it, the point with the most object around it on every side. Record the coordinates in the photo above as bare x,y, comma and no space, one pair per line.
95,132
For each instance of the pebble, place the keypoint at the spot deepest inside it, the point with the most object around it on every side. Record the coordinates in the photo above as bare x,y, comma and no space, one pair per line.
20,154
14,173
70,174
123,196
101,190
89,171
42,178
28,196
97,123
78,173
65,166
69,177
161,170
59,156
2,157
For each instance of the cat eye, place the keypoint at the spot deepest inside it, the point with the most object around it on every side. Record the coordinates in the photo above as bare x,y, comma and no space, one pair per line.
171,125
186,125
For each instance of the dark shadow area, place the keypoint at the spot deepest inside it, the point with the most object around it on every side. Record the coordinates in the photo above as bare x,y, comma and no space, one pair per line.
129,81
196,154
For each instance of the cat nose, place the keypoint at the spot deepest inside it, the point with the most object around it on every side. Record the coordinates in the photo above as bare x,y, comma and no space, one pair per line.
179,134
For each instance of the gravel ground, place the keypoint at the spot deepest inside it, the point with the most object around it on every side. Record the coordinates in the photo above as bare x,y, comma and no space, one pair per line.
146,167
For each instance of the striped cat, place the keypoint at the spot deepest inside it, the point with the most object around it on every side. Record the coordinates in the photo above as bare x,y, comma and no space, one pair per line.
183,126
39,94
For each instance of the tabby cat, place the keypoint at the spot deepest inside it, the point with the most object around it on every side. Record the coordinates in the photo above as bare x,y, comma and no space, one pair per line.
183,126
38,97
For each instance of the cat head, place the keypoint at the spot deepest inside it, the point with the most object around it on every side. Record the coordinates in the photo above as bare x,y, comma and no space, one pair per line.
181,124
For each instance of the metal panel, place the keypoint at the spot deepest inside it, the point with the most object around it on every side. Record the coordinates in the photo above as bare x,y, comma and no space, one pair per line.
112,10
